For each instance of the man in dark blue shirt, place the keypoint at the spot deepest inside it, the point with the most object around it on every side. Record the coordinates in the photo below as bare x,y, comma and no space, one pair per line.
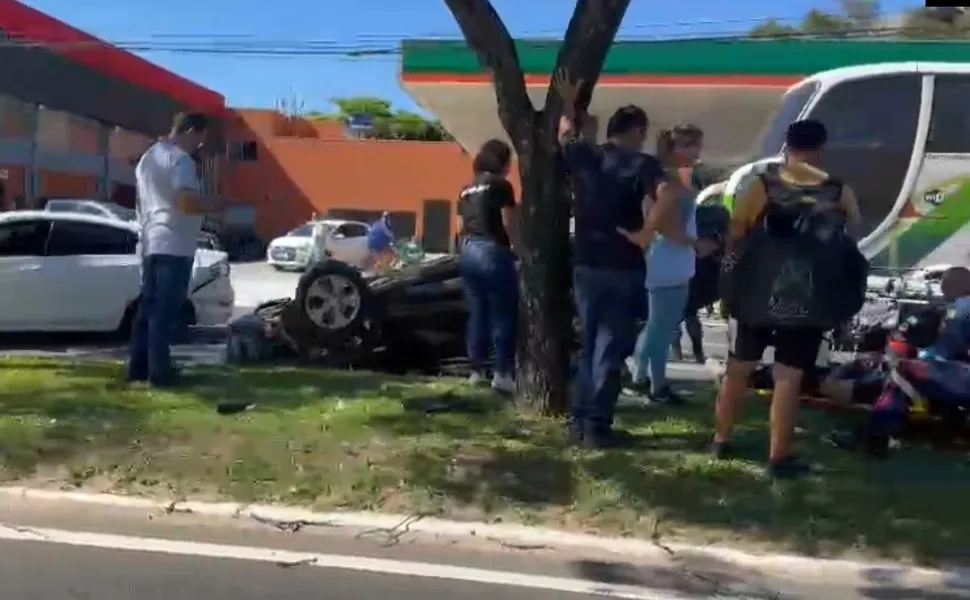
954,340
612,185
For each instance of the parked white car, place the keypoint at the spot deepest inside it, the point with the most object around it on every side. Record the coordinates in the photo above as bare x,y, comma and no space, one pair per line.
96,208
345,241
66,272
112,210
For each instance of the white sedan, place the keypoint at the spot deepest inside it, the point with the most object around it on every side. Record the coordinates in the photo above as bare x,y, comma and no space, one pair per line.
71,272
343,240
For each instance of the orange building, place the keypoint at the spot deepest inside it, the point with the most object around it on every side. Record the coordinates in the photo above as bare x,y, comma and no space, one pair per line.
290,168
77,112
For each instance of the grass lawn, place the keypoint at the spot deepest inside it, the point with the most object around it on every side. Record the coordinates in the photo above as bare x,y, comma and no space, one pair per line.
361,440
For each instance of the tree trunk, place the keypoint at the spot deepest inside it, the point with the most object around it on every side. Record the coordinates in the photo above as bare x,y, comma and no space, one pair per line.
547,337
546,330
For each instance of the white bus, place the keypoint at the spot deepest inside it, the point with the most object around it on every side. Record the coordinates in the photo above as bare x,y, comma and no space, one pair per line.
899,134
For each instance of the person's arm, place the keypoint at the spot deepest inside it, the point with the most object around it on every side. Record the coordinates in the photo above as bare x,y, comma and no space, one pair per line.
185,182
510,218
954,341
576,151
665,216
850,205
748,205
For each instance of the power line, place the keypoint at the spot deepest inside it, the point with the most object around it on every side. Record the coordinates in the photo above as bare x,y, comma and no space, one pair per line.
243,46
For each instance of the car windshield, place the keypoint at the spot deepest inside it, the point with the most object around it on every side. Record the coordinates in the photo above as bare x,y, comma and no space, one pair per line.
122,212
302,231
772,140
61,206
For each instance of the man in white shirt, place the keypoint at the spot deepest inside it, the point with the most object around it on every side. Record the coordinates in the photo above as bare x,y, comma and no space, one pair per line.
170,219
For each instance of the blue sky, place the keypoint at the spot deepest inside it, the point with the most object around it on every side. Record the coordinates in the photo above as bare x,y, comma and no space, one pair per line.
259,82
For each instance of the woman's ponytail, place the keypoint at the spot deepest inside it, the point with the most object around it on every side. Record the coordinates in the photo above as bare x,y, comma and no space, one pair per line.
665,145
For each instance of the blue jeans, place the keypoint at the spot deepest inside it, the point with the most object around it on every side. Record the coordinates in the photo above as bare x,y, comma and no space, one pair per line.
164,290
492,295
607,303
667,306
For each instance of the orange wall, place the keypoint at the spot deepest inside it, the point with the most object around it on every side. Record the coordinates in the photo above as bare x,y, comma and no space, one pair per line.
54,184
306,167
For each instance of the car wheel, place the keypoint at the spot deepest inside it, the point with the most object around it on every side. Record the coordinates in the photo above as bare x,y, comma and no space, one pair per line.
332,304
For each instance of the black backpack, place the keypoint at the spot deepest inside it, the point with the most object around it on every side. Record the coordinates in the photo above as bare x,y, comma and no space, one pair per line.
798,267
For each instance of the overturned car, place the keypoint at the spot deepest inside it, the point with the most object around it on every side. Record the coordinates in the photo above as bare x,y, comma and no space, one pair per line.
412,319
408,320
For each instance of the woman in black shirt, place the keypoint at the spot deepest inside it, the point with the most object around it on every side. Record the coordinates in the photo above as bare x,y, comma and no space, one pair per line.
486,208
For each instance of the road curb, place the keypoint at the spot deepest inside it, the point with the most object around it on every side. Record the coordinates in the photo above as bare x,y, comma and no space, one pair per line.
523,537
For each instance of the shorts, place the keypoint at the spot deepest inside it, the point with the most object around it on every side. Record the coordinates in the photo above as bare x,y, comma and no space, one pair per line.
795,348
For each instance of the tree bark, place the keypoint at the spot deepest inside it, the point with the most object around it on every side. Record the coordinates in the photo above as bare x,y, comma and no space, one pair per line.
546,334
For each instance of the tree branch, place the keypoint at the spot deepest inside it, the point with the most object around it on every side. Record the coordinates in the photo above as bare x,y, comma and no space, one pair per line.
589,37
487,35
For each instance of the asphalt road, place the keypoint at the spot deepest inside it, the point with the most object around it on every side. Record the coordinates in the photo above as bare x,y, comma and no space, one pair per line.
258,282
39,571
69,551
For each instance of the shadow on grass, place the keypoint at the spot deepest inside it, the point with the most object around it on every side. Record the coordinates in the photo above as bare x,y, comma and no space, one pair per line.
474,450
667,487
910,507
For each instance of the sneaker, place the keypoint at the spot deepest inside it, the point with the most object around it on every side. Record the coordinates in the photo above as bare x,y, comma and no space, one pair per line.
699,356
639,388
667,396
504,384
606,439
477,378
789,467
722,450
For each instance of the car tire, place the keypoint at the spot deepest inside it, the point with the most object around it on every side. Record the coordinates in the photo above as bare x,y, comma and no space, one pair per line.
340,287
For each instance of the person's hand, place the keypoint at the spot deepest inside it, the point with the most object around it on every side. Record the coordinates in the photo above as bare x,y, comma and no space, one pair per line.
640,237
567,88
705,247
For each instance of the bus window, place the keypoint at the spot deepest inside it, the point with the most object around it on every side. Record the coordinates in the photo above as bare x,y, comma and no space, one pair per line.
791,107
950,124
872,126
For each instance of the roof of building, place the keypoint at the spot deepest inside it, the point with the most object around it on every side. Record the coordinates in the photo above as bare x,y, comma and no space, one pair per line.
646,61
19,21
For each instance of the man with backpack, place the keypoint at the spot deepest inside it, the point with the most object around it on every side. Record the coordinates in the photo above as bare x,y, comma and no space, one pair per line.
791,274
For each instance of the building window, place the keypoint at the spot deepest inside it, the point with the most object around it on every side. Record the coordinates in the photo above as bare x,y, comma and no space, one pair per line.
243,151
208,170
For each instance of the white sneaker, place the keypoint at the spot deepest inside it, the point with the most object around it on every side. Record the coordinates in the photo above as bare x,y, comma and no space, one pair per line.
477,379
504,384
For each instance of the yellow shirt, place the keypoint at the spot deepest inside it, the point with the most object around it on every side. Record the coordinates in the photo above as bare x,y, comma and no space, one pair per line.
749,205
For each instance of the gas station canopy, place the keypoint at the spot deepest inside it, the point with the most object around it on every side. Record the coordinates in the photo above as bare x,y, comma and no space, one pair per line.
729,88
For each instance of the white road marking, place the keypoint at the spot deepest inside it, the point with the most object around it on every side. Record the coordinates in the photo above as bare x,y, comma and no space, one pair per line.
329,561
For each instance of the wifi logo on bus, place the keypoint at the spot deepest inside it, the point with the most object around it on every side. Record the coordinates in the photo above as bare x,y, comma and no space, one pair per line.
934,197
